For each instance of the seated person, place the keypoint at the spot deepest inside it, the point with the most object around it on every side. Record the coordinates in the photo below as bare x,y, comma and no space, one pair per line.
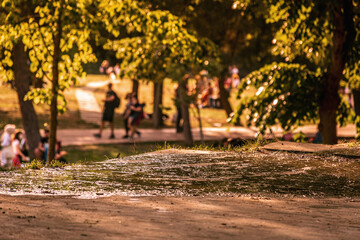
318,136
41,152
19,155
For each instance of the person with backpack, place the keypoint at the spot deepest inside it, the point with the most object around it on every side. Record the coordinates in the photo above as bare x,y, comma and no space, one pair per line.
111,102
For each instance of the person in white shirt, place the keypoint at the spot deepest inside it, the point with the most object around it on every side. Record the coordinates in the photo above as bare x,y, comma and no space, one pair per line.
7,153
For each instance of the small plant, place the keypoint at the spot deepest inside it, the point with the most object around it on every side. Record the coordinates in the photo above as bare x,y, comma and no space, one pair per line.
166,146
57,163
35,164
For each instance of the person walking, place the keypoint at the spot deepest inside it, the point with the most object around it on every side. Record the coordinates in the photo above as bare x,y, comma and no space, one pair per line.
178,118
108,113
135,115
126,114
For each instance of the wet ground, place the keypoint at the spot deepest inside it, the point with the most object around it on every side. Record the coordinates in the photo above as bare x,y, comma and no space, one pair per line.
195,173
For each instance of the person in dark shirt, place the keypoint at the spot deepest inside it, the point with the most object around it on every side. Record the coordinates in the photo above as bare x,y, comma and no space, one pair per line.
108,113
41,150
179,127
134,115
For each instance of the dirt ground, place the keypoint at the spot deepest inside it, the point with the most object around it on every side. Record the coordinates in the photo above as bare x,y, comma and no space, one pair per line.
60,217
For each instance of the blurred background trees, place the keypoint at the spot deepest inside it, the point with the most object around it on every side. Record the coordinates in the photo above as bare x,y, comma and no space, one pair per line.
296,55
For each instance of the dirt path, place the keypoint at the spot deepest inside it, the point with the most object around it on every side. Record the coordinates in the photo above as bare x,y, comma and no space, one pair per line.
36,217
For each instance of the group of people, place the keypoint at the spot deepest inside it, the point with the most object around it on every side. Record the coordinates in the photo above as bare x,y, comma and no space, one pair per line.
209,96
132,115
233,80
316,139
112,72
15,150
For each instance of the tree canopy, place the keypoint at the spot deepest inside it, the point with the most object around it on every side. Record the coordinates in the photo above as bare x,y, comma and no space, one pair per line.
318,43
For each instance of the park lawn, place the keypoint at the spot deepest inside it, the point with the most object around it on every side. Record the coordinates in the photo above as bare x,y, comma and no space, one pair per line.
10,113
210,117
94,153
101,152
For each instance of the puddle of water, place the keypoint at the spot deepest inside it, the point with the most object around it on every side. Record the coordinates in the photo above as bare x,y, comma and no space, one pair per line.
199,173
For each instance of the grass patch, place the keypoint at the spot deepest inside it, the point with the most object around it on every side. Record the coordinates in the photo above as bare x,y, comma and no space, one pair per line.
94,153
184,173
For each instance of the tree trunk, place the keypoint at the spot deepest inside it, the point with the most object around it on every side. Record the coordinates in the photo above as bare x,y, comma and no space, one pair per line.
22,76
224,94
342,38
135,87
55,89
158,97
185,113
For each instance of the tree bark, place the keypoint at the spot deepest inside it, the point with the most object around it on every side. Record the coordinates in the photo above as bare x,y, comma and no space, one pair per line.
135,87
342,39
55,89
158,97
22,76
185,113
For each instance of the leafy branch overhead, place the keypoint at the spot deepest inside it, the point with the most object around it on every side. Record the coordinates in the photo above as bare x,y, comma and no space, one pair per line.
286,94
162,43
318,43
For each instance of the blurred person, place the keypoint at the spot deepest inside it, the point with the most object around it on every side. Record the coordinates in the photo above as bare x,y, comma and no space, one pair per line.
215,96
109,70
19,156
233,70
104,66
348,93
205,95
7,153
117,69
134,116
41,152
178,114
235,80
288,137
228,84
60,155
126,115
199,83
24,146
43,146
318,137
108,112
